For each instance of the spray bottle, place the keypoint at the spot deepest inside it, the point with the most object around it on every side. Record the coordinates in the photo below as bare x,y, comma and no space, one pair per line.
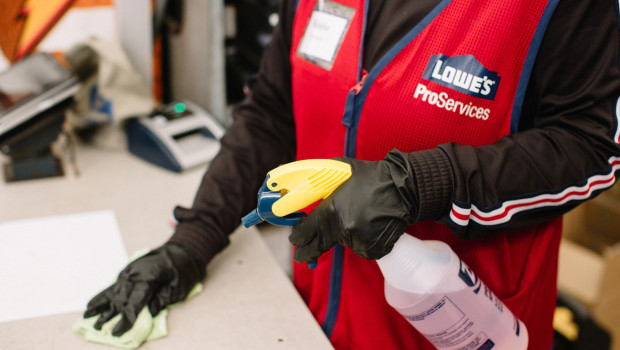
425,281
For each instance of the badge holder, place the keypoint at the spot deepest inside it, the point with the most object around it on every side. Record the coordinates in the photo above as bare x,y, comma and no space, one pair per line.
324,33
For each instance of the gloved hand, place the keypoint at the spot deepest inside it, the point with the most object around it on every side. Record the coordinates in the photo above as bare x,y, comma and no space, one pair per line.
162,277
367,213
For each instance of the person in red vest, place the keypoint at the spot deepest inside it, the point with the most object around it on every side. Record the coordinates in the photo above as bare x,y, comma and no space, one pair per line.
475,123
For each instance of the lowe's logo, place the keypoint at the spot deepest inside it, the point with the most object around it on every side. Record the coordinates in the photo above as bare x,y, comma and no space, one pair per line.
464,74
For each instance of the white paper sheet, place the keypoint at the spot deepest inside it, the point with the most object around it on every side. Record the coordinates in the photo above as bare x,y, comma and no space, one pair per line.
55,264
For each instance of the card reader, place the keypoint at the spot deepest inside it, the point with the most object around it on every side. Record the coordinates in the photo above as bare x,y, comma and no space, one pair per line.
176,136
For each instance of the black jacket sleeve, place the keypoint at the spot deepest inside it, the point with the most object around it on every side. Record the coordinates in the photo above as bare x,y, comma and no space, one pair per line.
566,150
261,137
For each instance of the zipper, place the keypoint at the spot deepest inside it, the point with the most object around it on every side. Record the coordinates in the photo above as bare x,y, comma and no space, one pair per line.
349,106
348,119
335,279
358,87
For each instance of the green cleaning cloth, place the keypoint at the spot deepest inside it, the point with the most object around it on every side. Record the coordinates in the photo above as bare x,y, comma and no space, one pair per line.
144,329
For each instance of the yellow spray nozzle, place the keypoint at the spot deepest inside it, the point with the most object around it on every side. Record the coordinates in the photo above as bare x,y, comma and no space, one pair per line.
304,182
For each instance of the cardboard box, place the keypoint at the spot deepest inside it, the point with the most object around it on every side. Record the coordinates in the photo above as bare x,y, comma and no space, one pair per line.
602,219
615,190
589,263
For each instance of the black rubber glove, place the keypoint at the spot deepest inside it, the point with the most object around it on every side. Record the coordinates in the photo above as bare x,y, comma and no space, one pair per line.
368,213
160,278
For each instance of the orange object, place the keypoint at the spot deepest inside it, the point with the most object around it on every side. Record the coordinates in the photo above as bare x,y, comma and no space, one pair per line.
12,18
42,16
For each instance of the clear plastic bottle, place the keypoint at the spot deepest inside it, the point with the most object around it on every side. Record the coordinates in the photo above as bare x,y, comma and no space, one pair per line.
442,298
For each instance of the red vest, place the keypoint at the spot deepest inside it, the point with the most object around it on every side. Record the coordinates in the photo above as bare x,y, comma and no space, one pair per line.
458,76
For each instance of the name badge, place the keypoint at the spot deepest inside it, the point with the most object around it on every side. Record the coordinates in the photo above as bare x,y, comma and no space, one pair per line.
324,34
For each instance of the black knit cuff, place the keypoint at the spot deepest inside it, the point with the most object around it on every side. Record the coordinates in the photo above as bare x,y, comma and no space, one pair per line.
435,182
203,244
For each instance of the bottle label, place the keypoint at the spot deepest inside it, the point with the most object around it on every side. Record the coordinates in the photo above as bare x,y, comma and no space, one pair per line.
471,318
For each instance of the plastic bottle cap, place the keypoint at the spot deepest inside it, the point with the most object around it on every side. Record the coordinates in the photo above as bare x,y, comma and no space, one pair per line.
403,259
